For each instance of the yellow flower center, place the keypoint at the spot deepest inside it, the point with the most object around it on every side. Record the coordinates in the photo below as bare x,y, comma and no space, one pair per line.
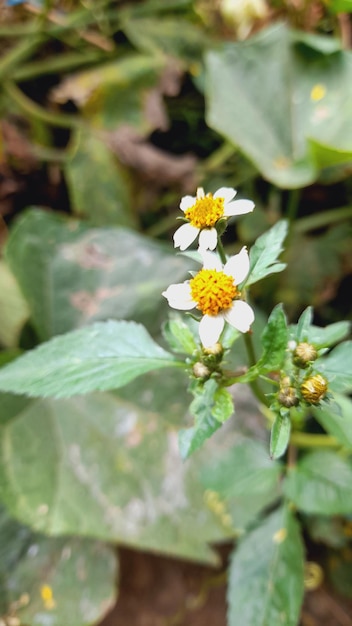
213,291
205,212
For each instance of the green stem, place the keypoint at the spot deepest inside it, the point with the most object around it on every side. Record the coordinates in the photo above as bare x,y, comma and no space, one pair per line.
33,109
221,251
56,64
259,394
292,205
319,220
218,157
308,440
20,52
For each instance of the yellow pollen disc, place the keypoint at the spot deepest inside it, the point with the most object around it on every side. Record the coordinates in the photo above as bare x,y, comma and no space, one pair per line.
213,291
205,212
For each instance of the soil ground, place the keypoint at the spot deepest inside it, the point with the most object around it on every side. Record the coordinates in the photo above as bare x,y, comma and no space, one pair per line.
159,591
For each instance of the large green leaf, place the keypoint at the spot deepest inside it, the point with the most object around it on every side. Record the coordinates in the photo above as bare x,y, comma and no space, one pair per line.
168,35
267,575
106,355
72,275
97,185
275,95
321,482
13,308
54,581
105,468
336,418
337,367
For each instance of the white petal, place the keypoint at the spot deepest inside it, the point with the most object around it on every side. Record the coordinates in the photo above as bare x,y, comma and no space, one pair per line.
210,261
187,202
240,316
185,235
225,192
238,266
210,329
238,207
179,296
208,238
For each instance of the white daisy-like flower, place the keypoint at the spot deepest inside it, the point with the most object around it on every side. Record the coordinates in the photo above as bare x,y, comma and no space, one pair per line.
203,212
214,291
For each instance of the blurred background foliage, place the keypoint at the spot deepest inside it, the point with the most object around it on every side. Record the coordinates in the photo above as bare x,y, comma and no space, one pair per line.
110,111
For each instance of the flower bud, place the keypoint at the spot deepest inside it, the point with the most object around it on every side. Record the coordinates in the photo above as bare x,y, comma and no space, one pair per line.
304,354
288,397
314,389
200,370
216,349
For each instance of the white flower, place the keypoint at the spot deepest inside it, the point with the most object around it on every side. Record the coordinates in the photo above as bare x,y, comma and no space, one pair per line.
214,291
203,212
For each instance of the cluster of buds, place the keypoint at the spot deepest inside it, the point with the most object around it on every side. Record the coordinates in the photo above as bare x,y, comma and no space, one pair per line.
311,387
208,361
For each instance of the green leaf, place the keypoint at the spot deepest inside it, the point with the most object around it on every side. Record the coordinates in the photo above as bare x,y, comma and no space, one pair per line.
274,342
309,82
179,335
13,308
267,574
168,35
223,406
115,93
106,468
97,186
106,355
337,367
264,253
304,323
321,482
244,479
57,581
331,334
280,435
336,418
72,275
206,423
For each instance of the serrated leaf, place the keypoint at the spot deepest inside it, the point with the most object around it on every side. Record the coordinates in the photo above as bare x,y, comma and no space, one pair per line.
205,423
72,275
106,355
264,253
105,468
336,418
280,435
321,482
266,580
337,367
306,75
179,335
57,581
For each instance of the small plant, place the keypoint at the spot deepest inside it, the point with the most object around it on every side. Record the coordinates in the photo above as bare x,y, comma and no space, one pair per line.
299,379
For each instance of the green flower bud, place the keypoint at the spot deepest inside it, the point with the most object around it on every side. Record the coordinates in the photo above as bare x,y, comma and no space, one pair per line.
304,354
